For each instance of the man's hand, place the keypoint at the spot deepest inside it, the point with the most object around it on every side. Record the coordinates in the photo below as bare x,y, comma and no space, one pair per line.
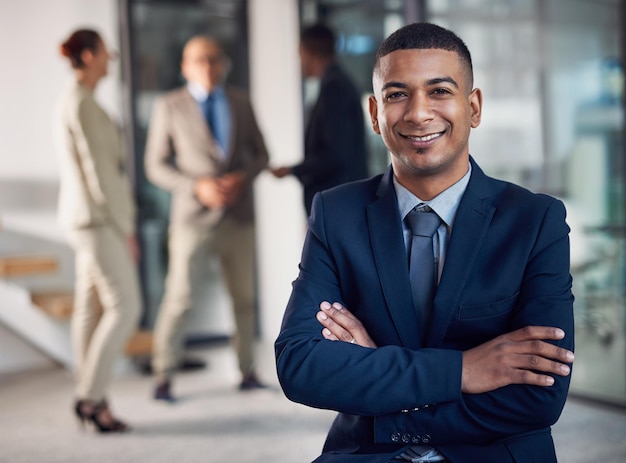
208,192
519,357
217,192
280,172
340,325
232,186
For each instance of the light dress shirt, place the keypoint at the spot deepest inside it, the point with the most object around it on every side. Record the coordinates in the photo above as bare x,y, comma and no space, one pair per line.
445,205
223,121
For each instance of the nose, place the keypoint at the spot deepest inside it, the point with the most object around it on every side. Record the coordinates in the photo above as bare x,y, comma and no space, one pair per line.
419,109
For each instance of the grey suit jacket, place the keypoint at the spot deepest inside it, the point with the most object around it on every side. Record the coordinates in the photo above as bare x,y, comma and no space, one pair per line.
181,148
95,189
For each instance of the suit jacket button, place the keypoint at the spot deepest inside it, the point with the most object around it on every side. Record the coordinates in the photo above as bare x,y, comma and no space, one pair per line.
425,438
395,437
406,438
416,439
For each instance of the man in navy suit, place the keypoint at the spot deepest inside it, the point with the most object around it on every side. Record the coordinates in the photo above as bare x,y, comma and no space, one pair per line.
487,373
335,149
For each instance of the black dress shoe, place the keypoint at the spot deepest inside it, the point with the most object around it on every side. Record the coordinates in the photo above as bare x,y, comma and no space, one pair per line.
251,381
163,392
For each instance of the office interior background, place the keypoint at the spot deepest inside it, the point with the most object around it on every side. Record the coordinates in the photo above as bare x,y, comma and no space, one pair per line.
552,73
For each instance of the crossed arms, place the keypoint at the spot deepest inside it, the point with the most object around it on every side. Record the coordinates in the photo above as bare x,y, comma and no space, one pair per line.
520,357
510,383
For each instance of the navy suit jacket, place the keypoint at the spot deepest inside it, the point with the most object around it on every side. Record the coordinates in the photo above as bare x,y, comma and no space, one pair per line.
507,267
335,149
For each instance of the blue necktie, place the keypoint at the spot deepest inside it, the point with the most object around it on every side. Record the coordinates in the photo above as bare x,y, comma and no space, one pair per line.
209,110
422,272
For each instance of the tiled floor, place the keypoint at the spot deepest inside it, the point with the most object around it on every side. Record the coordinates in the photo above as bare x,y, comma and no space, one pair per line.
214,422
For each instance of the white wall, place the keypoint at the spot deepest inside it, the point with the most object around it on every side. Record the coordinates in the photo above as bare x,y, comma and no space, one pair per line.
35,75
276,96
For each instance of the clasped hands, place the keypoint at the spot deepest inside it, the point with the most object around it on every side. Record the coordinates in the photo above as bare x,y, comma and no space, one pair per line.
520,357
218,192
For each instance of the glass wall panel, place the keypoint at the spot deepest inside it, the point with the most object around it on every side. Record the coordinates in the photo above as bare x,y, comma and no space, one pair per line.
553,121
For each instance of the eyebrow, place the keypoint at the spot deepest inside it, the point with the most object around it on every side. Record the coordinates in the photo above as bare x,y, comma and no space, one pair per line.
434,81
439,80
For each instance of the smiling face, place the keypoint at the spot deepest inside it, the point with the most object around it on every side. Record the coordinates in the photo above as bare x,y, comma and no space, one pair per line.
424,108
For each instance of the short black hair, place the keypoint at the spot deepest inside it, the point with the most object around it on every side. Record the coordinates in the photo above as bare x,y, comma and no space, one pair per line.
319,40
422,36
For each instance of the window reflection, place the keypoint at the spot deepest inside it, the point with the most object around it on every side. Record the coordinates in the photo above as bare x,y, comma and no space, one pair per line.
554,122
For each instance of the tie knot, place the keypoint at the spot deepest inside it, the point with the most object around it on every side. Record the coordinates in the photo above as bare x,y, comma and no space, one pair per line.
423,222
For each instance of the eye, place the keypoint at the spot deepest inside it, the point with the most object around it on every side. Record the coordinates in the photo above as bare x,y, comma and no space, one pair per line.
442,92
394,96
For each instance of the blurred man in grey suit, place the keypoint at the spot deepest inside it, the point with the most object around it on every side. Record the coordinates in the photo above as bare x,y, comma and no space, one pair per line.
205,147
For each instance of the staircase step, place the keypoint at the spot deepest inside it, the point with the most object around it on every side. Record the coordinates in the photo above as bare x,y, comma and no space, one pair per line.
59,305
25,265
139,343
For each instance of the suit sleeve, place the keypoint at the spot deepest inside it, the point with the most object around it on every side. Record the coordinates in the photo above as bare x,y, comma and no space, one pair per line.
545,300
98,165
346,377
418,392
258,159
159,156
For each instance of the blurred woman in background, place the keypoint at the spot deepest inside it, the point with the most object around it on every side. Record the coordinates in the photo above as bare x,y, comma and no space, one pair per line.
97,207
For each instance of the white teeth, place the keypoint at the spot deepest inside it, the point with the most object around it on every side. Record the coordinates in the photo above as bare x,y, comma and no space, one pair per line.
427,137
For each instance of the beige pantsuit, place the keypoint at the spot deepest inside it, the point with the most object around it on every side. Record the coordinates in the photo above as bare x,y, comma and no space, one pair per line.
181,149
106,271
97,207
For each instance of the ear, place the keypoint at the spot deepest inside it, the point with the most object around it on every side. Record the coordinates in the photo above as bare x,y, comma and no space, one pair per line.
87,56
373,107
476,106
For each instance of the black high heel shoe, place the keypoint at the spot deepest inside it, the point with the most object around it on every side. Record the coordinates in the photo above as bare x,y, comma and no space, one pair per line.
83,418
91,413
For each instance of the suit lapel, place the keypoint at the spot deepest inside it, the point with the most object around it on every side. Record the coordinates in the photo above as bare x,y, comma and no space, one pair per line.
385,231
470,228
191,112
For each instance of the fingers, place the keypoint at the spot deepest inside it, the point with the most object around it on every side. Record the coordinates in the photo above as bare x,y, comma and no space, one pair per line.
521,357
536,332
531,340
341,325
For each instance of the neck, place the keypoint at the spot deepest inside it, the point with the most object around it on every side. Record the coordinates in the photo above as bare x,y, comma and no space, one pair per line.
321,65
86,79
428,186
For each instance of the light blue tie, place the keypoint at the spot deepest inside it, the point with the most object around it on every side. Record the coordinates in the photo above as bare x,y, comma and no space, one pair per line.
422,272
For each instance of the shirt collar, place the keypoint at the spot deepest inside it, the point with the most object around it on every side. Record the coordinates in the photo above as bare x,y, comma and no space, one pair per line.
200,94
444,204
